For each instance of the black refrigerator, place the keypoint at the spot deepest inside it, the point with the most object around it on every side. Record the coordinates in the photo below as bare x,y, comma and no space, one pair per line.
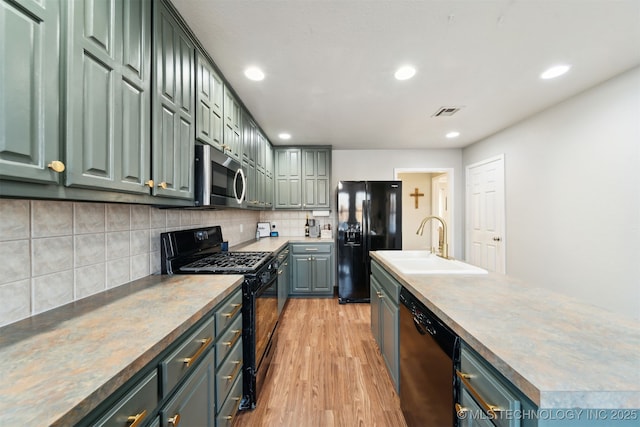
369,219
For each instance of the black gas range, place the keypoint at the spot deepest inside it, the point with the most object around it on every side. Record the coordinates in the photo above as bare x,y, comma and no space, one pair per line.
199,251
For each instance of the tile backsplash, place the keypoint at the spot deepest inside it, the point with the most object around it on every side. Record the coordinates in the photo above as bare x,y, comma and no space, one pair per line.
56,252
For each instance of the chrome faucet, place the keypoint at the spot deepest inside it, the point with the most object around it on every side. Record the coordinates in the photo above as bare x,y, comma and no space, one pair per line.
445,246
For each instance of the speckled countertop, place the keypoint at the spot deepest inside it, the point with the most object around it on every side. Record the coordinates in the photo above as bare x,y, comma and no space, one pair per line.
561,353
58,366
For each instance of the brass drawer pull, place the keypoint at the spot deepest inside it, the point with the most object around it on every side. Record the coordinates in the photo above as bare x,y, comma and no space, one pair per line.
488,408
235,339
311,249
136,419
235,411
279,272
236,308
380,296
238,364
174,421
190,360
461,410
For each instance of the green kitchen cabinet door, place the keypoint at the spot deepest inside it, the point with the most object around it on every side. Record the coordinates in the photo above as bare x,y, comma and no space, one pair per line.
316,167
194,402
108,94
233,126
173,106
210,98
322,267
375,290
389,339
30,90
269,188
288,178
301,274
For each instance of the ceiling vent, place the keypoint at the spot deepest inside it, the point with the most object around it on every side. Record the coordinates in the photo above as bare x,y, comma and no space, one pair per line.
446,111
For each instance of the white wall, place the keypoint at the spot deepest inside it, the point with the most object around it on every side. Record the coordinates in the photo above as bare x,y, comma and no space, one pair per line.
572,177
380,165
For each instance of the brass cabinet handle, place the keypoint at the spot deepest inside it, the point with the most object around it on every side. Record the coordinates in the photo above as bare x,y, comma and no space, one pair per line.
149,183
311,249
460,410
56,166
488,408
236,308
279,272
235,411
174,421
238,364
190,360
163,185
235,339
286,263
136,419
380,296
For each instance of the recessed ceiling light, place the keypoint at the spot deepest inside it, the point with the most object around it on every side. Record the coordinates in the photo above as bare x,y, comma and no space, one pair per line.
555,71
284,136
254,73
453,134
405,72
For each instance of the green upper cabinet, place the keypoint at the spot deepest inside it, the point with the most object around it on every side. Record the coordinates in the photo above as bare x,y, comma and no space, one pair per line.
108,103
269,170
30,90
316,171
233,132
287,178
173,106
302,177
210,98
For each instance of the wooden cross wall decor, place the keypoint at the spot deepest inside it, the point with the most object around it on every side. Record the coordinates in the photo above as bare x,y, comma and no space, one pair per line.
416,194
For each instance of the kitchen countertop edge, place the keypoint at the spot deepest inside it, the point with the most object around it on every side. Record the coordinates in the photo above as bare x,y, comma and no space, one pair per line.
73,407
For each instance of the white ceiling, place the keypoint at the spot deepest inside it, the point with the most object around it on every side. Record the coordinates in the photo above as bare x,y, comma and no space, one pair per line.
329,64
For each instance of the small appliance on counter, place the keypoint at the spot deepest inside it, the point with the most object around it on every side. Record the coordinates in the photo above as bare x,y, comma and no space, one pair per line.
314,228
264,229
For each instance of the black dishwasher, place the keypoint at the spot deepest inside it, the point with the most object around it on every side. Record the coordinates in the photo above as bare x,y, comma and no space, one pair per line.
429,356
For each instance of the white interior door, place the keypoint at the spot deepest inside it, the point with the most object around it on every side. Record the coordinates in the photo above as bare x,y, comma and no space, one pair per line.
485,214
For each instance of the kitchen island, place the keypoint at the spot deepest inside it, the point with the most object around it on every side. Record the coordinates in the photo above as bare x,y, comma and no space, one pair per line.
60,365
562,354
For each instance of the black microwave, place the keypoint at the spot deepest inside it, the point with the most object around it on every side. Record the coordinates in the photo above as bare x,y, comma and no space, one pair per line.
220,180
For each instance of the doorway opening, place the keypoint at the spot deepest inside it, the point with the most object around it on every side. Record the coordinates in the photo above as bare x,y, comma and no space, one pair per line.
426,191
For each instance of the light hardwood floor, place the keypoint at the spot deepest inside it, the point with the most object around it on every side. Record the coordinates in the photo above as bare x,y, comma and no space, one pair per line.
327,371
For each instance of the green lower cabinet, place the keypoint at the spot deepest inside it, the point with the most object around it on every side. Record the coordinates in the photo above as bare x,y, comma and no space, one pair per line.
192,404
284,272
385,319
312,271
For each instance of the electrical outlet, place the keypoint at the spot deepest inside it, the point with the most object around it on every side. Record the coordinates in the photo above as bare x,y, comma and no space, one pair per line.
241,228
